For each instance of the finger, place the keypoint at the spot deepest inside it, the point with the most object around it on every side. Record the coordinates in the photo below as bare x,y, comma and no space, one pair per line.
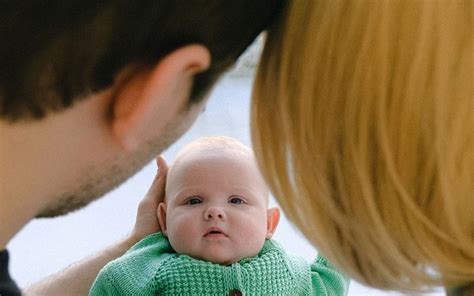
162,166
157,188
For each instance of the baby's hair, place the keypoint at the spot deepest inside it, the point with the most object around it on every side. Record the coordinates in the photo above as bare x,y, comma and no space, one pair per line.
363,126
215,144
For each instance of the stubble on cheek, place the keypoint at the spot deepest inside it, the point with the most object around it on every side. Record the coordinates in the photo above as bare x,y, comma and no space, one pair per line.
100,179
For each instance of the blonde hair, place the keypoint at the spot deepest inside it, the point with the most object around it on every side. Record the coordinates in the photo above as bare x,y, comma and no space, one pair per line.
363,126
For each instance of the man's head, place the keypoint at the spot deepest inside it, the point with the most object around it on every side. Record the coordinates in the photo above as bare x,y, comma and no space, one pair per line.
55,54
216,206
90,91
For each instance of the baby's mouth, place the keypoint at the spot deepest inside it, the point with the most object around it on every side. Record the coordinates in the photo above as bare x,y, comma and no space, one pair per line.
215,233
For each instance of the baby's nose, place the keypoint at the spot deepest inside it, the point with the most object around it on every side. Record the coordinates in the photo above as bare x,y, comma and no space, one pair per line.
214,213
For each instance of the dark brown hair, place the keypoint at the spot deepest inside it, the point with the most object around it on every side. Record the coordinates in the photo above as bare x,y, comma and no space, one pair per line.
54,53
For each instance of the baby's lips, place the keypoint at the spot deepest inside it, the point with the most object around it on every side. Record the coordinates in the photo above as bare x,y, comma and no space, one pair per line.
215,230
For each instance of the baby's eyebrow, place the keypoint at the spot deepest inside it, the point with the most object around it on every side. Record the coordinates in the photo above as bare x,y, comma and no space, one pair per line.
183,194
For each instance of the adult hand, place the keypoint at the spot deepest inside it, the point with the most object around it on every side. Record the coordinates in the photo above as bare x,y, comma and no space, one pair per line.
147,222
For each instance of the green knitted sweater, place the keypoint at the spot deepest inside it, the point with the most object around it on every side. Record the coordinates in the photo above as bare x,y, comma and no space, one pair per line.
151,267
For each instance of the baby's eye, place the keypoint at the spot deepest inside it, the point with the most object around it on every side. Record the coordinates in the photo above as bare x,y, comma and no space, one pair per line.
193,201
236,200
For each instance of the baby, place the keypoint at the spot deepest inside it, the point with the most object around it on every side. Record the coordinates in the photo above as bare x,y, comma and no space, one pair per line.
215,237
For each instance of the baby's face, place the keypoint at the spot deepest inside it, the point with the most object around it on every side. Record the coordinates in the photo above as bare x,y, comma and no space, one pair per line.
217,207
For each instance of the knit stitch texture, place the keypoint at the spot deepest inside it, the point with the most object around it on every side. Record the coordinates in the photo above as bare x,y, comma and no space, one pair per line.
151,267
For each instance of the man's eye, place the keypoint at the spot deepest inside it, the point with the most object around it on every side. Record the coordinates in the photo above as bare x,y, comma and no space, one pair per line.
193,201
236,200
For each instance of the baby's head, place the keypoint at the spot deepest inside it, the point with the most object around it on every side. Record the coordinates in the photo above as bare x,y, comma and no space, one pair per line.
216,205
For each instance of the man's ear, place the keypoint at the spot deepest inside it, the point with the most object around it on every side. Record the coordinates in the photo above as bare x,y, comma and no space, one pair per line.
273,217
150,99
161,214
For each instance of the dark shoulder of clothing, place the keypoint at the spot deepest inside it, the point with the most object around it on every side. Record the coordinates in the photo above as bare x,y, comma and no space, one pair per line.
7,286
463,290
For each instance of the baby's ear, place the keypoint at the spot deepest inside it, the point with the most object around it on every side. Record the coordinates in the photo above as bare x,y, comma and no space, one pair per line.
273,217
161,214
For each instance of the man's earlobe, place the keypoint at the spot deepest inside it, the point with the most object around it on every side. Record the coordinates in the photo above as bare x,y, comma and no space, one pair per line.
148,99
273,218
161,214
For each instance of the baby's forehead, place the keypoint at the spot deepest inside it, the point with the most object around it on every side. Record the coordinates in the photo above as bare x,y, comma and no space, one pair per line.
213,147
203,153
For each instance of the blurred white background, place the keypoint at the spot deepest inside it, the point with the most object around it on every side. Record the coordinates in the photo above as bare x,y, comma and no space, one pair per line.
49,245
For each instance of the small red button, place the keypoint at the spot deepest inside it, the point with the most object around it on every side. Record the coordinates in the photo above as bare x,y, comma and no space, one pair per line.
235,293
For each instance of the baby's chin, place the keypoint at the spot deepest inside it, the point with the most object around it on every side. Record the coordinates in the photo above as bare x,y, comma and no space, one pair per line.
222,260
216,259
218,254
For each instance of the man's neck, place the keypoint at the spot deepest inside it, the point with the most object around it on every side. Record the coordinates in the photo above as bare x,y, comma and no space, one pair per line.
16,162
11,223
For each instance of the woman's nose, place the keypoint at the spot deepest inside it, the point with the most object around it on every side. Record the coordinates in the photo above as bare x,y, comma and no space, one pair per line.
214,213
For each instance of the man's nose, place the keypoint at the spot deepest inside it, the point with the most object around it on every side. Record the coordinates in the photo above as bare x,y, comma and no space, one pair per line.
214,213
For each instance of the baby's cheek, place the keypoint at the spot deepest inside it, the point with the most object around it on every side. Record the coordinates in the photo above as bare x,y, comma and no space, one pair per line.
181,234
254,234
